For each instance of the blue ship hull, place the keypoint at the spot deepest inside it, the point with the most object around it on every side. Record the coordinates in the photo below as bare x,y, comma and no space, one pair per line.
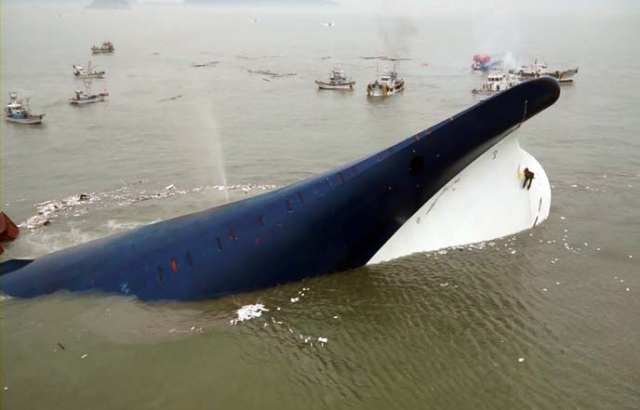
332,222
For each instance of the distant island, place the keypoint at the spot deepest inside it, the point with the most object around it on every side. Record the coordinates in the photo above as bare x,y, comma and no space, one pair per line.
110,4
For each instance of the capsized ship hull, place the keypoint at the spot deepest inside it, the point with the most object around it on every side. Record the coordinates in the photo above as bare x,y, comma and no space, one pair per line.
340,220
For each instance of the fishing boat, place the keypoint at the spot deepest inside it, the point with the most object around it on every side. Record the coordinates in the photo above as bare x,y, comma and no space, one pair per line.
497,82
485,62
19,111
106,48
87,72
537,69
86,96
386,84
337,81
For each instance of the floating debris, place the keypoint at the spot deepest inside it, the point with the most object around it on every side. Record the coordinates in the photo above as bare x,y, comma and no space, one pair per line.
78,204
294,300
270,73
48,209
205,64
521,359
84,356
323,340
384,58
175,97
248,312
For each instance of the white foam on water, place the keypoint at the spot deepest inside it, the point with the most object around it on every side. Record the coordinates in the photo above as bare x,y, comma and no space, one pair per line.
249,312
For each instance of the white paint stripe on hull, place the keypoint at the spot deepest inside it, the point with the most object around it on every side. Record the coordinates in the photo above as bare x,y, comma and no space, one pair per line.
484,201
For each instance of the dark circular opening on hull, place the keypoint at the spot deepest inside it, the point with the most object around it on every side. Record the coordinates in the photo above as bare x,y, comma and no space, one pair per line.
417,165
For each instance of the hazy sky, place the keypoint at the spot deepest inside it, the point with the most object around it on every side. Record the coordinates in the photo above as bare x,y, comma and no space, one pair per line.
410,7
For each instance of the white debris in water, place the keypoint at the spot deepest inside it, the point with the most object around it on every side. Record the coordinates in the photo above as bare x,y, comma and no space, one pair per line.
442,285
563,218
574,186
513,252
323,340
249,312
557,283
627,289
521,359
544,289
586,244
278,308
6,387
48,210
630,256
77,205
84,356
335,317
597,249
442,252
294,300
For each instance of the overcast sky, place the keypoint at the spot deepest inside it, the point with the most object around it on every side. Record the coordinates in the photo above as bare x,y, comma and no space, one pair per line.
410,7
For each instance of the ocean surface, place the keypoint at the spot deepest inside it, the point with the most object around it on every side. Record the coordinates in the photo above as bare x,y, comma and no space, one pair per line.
553,325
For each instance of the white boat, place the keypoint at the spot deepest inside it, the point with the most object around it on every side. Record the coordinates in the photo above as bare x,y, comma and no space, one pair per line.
87,72
537,69
337,81
386,84
19,111
87,97
106,48
497,82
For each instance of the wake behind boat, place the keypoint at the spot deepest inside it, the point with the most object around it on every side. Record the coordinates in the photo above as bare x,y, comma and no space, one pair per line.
87,72
337,81
18,111
386,84
86,96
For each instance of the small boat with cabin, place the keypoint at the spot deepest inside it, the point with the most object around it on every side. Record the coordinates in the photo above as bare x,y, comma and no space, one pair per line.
537,69
497,82
87,72
386,84
86,96
106,48
18,111
337,81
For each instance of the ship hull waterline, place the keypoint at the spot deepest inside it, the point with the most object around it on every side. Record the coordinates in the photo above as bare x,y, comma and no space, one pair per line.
339,220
